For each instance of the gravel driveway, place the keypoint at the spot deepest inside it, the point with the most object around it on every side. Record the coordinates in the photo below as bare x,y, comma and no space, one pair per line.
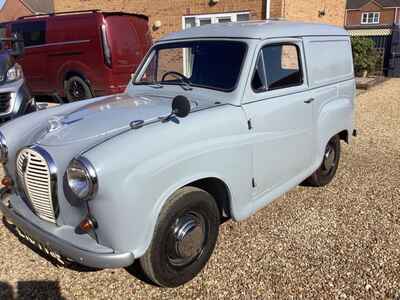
339,242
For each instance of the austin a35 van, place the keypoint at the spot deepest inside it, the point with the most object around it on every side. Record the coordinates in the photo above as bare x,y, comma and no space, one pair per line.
217,122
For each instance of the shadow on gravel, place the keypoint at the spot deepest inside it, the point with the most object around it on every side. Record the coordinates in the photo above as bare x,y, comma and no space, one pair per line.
31,290
136,270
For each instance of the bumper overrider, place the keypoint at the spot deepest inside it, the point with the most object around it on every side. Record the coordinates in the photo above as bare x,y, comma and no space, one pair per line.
91,255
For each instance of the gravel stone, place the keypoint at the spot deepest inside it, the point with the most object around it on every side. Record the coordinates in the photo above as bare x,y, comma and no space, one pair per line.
340,242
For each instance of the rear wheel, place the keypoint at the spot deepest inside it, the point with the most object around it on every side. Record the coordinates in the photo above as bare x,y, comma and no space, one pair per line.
327,171
76,88
184,238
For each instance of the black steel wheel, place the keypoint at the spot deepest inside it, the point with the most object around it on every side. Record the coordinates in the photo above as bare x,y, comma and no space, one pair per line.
184,238
77,89
330,163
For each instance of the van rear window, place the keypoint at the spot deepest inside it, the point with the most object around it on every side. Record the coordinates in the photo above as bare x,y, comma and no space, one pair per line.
34,33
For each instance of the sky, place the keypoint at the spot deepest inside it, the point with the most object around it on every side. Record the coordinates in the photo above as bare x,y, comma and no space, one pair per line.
2,3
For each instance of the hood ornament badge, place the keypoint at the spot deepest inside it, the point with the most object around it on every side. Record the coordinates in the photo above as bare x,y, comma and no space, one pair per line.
54,123
57,122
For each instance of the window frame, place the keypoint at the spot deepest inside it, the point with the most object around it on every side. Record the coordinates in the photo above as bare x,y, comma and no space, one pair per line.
29,24
170,45
214,17
260,55
367,14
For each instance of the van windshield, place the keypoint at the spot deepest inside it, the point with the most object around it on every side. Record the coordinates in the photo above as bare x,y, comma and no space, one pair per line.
207,64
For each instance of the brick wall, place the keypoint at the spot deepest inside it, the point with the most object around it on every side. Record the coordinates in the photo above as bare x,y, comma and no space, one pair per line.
308,10
354,16
276,7
170,12
12,10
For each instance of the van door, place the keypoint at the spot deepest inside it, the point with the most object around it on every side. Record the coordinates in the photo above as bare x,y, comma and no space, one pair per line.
34,60
280,109
126,50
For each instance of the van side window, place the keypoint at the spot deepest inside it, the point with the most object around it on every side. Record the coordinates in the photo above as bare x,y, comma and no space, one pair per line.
281,65
34,33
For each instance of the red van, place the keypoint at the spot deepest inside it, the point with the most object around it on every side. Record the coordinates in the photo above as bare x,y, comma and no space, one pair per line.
80,55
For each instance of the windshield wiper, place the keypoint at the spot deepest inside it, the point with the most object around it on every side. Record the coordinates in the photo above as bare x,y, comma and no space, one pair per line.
186,86
149,83
183,84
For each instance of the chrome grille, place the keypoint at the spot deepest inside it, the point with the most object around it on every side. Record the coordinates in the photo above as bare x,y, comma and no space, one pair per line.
35,177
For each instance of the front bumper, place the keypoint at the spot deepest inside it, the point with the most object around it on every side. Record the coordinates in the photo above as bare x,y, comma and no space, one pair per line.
106,258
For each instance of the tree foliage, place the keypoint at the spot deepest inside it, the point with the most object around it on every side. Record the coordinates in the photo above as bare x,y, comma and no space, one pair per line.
365,56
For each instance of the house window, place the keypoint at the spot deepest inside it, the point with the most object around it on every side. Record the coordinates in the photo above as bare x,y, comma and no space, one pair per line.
370,18
200,20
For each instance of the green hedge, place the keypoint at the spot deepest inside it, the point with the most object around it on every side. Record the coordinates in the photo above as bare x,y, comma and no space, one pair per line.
366,58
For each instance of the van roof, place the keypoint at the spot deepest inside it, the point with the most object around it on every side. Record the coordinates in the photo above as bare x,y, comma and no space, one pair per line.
66,13
257,30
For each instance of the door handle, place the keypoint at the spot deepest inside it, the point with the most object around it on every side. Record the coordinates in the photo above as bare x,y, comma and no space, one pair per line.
309,101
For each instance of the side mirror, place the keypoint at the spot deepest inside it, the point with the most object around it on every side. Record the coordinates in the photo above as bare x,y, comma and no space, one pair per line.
17,45
181,106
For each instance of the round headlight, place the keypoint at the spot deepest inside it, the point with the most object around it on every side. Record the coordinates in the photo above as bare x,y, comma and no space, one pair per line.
14,73
3,149
82,178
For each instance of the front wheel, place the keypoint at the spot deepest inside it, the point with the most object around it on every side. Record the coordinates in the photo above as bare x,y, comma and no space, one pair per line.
184,238
330,163
76,88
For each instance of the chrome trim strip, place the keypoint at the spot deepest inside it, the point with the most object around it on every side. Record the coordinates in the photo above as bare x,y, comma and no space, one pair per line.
3,149
59,44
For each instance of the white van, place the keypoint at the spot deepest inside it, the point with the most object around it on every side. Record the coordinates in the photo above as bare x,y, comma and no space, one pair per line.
218,122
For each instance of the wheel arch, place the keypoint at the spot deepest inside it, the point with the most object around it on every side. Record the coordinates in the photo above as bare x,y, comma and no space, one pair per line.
335,118
215,185
72,73
68,70
220,192
344,136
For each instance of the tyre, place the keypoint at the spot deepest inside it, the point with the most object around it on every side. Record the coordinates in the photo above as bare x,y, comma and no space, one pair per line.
184,238
327,171
75,88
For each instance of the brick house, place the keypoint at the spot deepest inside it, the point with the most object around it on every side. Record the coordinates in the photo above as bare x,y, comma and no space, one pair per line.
173,15
13,9
376,20
372,13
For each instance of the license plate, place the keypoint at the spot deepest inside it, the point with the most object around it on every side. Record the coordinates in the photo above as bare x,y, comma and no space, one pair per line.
40,246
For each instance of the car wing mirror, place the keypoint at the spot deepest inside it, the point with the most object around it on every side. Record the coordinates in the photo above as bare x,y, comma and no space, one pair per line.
180,108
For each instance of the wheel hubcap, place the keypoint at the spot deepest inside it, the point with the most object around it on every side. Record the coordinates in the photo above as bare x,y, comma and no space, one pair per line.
188,239
77,90
329,158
